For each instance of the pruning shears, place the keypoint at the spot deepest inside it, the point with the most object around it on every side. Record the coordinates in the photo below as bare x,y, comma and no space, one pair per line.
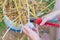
49,23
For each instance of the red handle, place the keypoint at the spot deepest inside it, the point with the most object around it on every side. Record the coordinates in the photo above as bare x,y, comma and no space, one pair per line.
58,19
39,20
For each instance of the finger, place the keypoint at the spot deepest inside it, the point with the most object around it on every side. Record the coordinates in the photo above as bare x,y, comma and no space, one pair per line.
25,31
31,32
29,29
30,26
43,22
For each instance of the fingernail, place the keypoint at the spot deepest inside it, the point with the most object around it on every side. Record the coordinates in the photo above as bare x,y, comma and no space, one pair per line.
40,24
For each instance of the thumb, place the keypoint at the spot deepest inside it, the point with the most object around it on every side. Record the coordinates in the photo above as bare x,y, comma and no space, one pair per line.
43,22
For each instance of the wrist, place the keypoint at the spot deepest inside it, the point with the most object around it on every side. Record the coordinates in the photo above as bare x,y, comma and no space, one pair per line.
56,13
37,38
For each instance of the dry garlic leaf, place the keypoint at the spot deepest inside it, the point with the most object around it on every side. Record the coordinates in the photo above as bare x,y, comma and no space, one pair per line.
1,15
0,19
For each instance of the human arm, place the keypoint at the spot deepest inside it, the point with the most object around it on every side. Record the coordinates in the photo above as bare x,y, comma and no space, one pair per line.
50,16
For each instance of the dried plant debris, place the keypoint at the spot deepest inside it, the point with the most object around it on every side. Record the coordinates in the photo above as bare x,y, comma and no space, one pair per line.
0,19
12,16
1,15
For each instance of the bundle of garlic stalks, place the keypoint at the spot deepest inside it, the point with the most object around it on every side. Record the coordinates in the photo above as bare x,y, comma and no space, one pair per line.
15,8
17,11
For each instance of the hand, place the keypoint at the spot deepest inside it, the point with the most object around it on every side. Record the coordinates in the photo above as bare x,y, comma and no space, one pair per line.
31,34
50,16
